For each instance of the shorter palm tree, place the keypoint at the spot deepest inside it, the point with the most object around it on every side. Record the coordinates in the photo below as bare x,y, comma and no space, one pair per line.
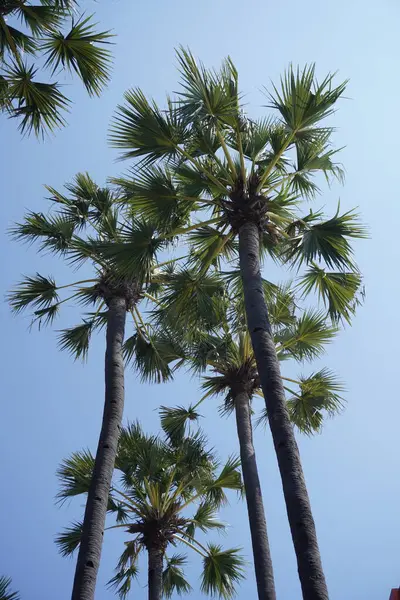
39,106
164,490
227,358
5,591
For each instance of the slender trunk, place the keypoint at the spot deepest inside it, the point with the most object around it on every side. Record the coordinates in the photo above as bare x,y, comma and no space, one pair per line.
156,559
255,506
96,506
298,506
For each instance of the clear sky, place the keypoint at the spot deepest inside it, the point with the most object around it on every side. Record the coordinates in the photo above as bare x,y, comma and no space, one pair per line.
51,406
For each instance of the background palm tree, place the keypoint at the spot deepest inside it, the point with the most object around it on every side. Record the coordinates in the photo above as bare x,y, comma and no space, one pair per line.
76,230
164,490
227,354
5,591
247,178
43,38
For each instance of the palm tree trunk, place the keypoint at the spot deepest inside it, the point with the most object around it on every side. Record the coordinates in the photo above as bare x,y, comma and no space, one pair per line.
156,559
298,506
255,506
96,506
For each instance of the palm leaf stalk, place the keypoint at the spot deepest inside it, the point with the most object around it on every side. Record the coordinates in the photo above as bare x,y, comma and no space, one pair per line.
226,357
205,154
163,491
52,38
77,229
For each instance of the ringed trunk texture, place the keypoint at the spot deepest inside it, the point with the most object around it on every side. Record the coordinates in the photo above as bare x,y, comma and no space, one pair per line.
96,506
156,559
255,506
298,506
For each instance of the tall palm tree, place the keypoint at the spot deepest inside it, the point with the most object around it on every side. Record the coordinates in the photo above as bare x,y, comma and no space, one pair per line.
43,38
76,230
247,178
5,591
163,491
228,357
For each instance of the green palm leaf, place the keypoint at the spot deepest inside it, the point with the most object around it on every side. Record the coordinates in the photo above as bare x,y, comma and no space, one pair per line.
192,298
75,475
208,96
41,18
37,291
338,290
327,241
319,394
204,519
13,40
38,105
76,339
142,129
54,232
173,576
229,478
79,51
303,103
152,355
307,337
5,591
222,570
68,541
122,581
175,419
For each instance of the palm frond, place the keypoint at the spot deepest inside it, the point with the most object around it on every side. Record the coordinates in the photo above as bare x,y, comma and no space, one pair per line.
174,578
135,251
205,518
192,300
76,339
206,95
14,41
152,355
54,232
80,51
41,18
37,291
5,591
222,570
303,102
75,475
68,541
327,241
319,394
143,130
307,337
39,106
228,478
154,196
175,419
338,291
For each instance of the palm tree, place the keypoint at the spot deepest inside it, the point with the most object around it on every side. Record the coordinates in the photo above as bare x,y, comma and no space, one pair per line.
76,230
164,490
5,592
227,354
39,106
248,177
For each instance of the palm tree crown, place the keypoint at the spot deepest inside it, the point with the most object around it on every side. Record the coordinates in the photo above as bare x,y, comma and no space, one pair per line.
39,106
203,155
164,490
80,229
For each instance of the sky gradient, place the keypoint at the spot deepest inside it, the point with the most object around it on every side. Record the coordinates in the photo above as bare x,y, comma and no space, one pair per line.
52,406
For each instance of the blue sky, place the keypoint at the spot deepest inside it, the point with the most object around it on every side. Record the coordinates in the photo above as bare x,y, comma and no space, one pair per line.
52,406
